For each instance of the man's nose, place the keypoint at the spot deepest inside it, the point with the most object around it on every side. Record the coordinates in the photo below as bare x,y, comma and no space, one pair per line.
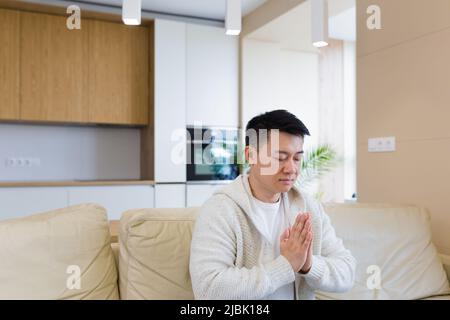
290,167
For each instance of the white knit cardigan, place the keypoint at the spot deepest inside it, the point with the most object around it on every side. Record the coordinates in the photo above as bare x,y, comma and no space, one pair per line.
226,245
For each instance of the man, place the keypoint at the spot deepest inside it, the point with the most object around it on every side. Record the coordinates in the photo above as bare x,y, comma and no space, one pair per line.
260,237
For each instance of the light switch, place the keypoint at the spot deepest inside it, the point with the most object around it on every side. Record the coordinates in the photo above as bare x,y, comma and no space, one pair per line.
382,144
389,144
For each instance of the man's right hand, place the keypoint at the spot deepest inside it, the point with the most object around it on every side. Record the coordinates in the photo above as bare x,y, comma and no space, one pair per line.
294,242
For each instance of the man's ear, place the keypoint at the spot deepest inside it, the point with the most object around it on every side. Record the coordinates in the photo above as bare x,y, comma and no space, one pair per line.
250,155
247,154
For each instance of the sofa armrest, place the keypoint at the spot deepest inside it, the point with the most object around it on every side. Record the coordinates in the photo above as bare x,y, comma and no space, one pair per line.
446,262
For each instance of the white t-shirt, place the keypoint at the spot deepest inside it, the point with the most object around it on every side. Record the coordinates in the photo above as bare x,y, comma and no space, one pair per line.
272,224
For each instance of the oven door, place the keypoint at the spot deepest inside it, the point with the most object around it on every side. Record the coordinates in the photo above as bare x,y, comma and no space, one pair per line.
212,160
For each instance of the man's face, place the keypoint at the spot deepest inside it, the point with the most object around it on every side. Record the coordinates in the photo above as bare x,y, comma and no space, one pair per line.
278,161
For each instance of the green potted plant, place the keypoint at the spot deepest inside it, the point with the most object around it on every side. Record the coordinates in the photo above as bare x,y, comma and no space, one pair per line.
316,163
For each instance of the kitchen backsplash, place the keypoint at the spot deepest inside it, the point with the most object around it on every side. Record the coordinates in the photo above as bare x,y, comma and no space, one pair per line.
44,152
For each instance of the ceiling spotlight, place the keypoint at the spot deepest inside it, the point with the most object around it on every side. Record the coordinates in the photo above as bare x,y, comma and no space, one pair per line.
319,23
233,18
131,12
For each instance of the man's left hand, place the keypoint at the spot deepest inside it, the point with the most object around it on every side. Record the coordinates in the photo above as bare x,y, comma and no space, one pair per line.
308,263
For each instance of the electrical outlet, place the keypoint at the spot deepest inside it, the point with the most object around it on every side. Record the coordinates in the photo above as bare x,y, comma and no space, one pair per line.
382,144
22,162
10,162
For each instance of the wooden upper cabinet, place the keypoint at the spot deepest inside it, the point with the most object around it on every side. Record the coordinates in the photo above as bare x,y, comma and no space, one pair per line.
54,69
9,64
97,74
118,73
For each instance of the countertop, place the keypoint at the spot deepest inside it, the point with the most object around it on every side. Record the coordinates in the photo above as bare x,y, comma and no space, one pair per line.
77,183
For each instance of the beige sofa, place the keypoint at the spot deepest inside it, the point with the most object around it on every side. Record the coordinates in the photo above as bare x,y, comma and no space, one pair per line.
68,254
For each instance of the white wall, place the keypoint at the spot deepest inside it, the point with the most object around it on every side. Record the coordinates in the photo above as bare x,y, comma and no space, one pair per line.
299,90
275,78
69,152
260,78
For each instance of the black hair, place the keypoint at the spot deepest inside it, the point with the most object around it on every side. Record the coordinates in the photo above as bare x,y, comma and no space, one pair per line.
282,120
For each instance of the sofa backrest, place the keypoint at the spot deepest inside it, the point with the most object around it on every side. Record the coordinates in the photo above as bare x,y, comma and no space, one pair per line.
154,253
155,247
391,243
62,254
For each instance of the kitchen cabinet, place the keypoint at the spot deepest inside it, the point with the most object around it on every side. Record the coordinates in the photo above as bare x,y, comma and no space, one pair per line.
24,201
115,199
9,64
197,194
97,74
53,69
118,73
212,76
170,195
195,81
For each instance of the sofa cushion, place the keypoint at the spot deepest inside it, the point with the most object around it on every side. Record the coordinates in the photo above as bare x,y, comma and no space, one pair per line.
42,256
154,253
446,262
394,242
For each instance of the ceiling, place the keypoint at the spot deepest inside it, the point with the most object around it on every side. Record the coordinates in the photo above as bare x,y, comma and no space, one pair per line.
342,25
206,9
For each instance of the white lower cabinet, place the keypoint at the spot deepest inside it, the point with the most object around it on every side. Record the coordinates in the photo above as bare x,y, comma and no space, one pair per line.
115,199
24,201
197,194
170,195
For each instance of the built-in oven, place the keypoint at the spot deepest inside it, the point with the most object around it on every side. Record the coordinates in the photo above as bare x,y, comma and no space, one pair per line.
212,154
